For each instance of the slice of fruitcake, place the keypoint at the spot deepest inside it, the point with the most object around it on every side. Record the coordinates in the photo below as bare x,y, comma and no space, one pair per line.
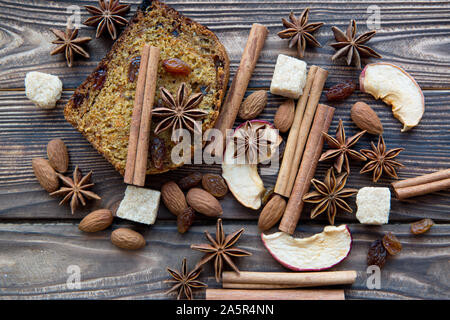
102,106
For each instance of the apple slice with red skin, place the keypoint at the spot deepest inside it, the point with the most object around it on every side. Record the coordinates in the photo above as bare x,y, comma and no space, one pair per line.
318,252
397,88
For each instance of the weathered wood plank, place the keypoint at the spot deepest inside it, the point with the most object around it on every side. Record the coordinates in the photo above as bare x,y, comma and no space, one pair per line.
34,259
413,34
25,131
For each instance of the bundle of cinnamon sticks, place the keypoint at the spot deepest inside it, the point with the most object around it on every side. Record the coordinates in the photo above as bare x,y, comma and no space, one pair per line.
421,185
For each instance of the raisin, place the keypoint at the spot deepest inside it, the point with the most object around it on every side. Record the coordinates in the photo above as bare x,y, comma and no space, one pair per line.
341,90
100,77
267,195
78,99
377,254
133,69
421,226
214,184
176,66
158,152
190,181
218,63
185,220
391,243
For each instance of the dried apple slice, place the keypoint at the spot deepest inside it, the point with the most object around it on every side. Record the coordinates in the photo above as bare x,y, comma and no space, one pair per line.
242,175
397,88
318,252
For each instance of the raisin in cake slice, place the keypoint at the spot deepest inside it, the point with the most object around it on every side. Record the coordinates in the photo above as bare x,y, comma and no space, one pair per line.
102,106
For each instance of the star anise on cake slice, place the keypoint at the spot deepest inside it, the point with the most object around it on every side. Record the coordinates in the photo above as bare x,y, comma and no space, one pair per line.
299,31
352,47
179,113
381,161
69,44
329,195
341,148
75,189
221,249
251,142
184,281
108,14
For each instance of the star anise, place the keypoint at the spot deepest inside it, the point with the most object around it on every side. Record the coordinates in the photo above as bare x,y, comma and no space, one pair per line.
329,195
252,141
221,249
76,189
299,31
381,160
108,14
352,47
69,44
341,148
180,112
184,281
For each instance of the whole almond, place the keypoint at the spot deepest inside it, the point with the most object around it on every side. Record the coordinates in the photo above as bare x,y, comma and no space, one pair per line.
45,174
272,212
253,105
284,116
173,198
366,119
204,202
127,239
97,220
57,155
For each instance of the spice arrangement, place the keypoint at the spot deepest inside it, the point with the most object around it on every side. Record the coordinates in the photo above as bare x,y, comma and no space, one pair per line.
158,111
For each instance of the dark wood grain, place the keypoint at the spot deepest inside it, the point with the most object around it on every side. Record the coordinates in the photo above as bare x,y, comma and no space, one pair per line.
34,259
413,34
26,130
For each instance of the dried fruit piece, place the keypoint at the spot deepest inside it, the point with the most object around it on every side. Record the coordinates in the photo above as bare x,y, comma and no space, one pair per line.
214,184
190,181
133,68
176,66
341,91
377,254
391,243
421,226
185,220
158,152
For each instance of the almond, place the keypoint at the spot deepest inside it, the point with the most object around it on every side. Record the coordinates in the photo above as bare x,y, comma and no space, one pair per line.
204,202
173,198
253,105
97,220
127,239
272,212
284,116
45,174
57,155
366,119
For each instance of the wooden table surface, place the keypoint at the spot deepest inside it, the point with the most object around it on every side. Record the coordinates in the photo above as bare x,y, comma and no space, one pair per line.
39,240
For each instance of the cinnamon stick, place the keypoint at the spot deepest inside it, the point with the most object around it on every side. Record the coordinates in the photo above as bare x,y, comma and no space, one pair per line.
307,106
313,150
421,185
283,294
146,118
233,100
272,280
136,165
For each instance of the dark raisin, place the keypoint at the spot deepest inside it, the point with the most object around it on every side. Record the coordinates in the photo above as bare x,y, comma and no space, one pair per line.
190,181
421,226
391,244
176,66
218,63
214,184
158,152
377,254
341,90
267,195
185,220
78,99
133,69
100,77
